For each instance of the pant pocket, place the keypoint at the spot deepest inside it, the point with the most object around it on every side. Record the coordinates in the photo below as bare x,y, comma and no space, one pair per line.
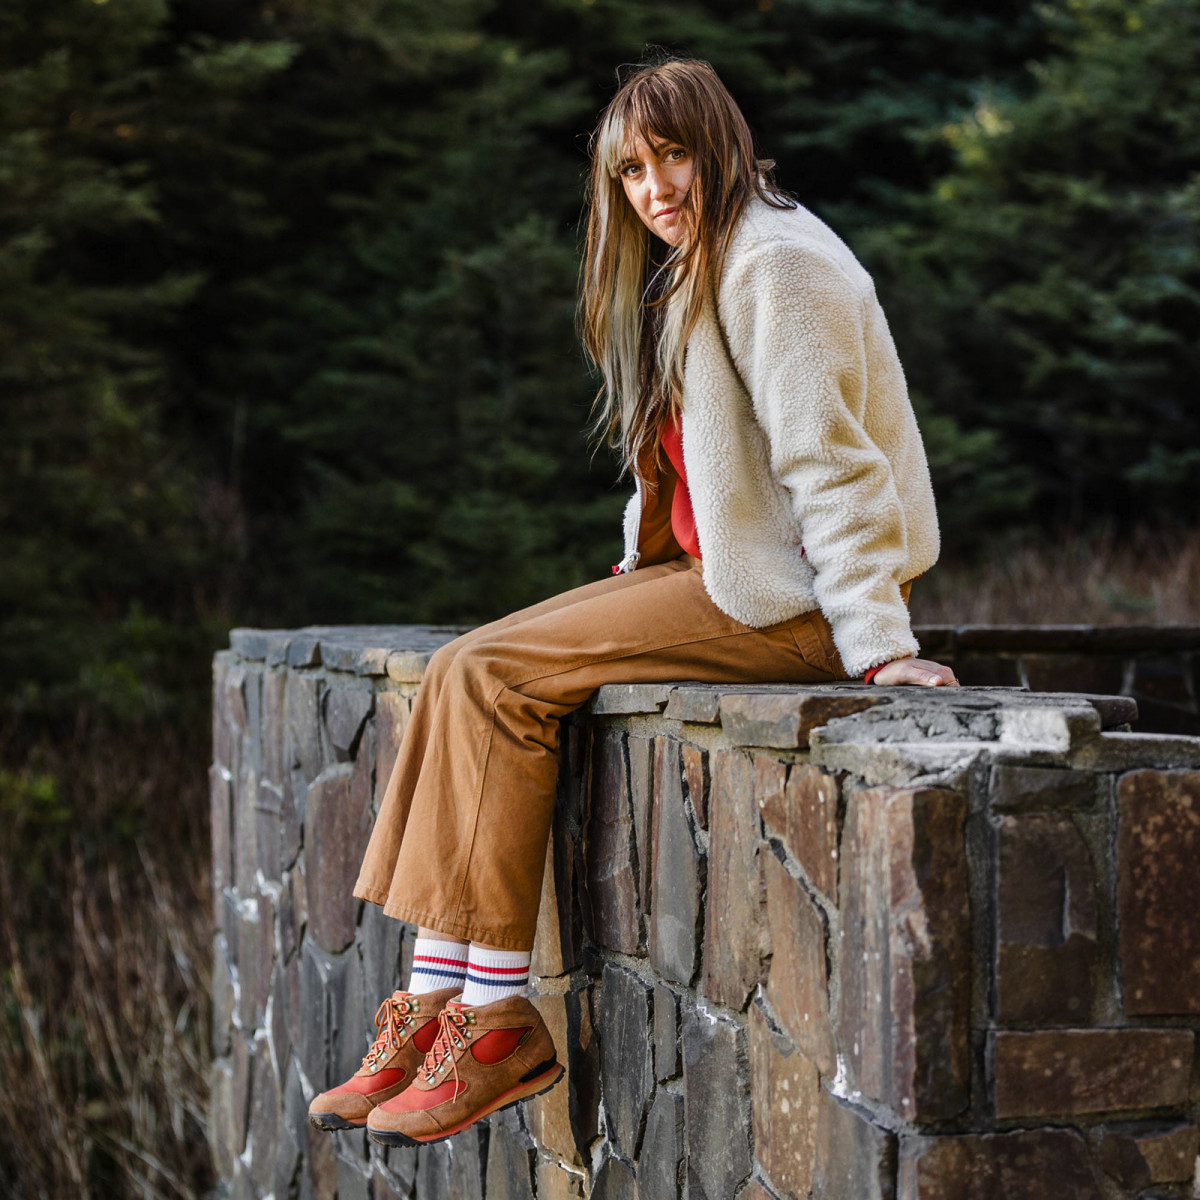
814,649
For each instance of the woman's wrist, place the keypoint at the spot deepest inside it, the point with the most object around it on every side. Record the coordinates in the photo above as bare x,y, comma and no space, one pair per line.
870,673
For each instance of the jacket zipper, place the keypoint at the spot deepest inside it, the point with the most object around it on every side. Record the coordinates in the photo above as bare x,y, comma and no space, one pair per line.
628,563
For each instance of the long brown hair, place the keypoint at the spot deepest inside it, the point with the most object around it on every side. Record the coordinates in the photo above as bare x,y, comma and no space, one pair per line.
635,315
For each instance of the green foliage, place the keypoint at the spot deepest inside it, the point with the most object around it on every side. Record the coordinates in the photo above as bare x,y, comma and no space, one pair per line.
287,333
1059,266
37,823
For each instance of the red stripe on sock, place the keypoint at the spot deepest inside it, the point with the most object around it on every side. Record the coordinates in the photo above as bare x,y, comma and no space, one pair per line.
456,962
499,970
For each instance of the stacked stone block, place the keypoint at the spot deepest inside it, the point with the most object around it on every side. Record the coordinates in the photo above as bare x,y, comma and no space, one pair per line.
831,942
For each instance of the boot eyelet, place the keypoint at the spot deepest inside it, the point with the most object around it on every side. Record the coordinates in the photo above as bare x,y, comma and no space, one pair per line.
467,1033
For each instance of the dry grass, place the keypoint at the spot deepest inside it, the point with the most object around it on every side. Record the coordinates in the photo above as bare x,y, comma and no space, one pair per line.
1101,578
105,950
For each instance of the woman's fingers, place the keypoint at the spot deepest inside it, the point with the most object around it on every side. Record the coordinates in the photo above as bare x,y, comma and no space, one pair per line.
921,671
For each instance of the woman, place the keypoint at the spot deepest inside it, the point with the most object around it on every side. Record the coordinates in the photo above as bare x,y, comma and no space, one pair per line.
782,509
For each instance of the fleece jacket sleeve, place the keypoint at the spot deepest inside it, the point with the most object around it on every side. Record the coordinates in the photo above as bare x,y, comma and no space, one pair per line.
796,333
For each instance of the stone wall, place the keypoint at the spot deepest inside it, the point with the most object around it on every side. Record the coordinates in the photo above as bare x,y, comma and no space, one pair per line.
835,942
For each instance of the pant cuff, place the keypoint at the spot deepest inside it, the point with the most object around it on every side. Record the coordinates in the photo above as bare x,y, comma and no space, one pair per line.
442,923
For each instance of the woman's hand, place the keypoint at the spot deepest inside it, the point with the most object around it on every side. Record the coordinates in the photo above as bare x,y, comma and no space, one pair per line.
916,670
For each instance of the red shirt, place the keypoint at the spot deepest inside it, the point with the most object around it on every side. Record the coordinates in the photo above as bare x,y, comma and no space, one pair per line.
683,521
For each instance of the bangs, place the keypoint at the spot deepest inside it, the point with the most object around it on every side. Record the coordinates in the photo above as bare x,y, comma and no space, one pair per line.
653,113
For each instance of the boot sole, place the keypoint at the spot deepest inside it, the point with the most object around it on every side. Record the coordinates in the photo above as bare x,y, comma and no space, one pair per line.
523,1091
331,1122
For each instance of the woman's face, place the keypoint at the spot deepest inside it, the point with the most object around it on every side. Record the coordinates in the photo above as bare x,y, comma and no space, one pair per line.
656,180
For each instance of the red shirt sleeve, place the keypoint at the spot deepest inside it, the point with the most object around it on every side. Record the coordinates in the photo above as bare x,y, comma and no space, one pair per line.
870,672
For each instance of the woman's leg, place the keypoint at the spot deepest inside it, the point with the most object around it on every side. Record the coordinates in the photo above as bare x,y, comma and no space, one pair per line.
471,856
379,862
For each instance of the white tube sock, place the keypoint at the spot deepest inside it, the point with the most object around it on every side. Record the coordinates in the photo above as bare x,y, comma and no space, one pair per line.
437,964
494,974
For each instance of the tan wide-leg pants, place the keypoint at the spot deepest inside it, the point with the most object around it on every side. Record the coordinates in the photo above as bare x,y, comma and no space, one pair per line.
459,844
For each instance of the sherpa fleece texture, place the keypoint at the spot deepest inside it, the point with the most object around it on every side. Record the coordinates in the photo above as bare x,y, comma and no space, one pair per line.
798,431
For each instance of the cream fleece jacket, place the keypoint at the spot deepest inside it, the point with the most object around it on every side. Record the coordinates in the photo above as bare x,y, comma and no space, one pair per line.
798,431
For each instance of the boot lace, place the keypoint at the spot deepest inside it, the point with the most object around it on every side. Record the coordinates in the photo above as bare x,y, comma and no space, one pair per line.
391,1018
450,1023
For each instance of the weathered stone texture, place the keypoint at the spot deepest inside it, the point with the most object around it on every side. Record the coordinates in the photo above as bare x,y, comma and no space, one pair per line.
509,1160
904,949
263,1117
1030,1165
555,1182
302,724
1076,1071
658,1166
453,1170
733,947
614,1181
797,983
1138,1158
784,720
784,1098
391,719
255,951
695,776
678,870
666,1032
640,752
220,808
1023,789
565,1119
1046,921
855,1159
626,1066
714,1089
274,684
803,813
346,712
337,827
557,936
1158,896
611,913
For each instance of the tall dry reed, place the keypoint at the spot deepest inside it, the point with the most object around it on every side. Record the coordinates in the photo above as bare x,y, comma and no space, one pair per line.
105,952
1102,577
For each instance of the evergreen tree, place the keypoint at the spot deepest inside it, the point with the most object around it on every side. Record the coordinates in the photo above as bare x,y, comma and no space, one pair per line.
1053,276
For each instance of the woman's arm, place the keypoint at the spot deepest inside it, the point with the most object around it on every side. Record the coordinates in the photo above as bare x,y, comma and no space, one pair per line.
795,325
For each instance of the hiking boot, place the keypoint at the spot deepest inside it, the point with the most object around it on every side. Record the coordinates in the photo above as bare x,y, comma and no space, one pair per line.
486,1057
407,1025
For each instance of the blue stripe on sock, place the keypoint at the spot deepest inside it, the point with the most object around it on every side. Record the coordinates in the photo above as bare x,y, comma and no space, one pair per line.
498,982
428,971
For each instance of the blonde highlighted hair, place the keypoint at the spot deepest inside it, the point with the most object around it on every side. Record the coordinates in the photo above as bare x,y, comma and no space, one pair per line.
635,316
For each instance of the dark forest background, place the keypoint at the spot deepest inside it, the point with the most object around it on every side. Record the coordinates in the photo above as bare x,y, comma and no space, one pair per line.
287,295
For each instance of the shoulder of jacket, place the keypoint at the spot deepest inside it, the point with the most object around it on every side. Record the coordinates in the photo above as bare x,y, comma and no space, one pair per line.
766,232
